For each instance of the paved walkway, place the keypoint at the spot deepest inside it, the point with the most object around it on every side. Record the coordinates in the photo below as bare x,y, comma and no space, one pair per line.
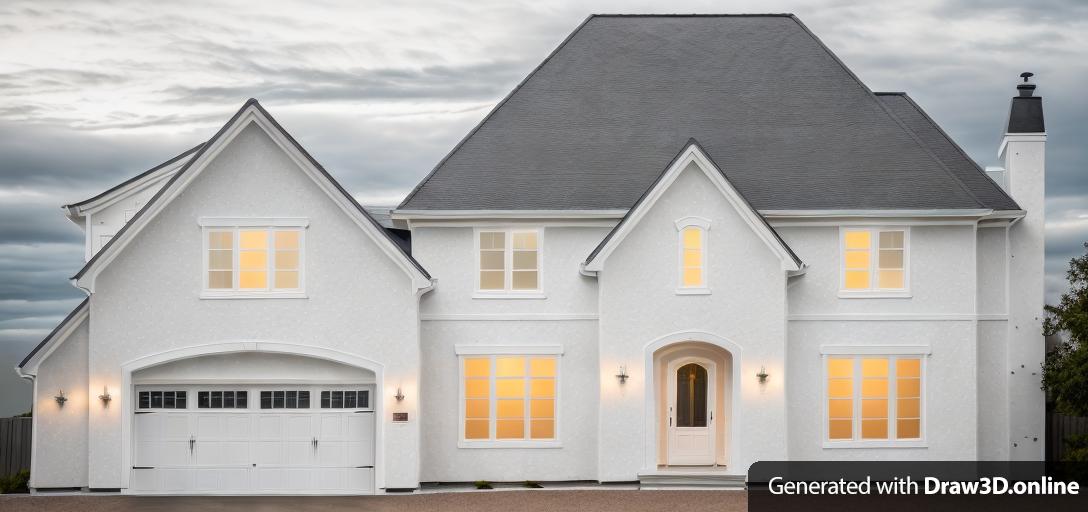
548,500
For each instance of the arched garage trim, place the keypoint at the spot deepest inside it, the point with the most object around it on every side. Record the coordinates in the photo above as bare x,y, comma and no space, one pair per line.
148,361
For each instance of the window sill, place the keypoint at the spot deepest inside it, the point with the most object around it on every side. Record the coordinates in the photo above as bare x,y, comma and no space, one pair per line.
509,444
874,294
693,291
509,295
252,295
874,444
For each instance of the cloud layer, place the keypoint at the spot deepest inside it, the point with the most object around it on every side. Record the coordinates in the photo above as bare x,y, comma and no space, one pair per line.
93,93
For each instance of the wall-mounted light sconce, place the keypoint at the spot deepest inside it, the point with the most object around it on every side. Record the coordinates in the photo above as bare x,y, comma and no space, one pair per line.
622,375
400,395
762,375
60,398
105,397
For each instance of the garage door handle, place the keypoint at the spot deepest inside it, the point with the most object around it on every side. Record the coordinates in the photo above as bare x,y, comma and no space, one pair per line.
192,441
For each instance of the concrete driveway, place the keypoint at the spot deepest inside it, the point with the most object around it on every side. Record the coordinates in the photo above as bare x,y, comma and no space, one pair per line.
549,500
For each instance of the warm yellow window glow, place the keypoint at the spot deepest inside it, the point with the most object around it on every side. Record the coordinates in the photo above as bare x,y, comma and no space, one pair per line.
523,391
509,261
265,259
863,409
840,402
862,270
477,382
492,260
692,258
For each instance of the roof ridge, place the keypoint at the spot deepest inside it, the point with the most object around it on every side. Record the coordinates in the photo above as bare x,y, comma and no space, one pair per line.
494,110
694,15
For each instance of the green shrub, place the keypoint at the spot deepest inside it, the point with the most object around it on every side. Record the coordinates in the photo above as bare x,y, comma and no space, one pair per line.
15,483
483,484
1077,447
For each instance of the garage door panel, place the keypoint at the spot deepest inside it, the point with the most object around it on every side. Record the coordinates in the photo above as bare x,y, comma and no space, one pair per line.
270,427
299,426
238,426
332,453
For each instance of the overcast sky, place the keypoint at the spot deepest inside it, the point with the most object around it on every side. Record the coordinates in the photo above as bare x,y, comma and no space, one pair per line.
379,91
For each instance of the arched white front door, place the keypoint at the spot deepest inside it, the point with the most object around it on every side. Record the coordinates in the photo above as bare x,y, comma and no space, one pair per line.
690,411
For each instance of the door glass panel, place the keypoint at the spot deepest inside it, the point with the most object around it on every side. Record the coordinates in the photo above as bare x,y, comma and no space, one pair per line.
691,391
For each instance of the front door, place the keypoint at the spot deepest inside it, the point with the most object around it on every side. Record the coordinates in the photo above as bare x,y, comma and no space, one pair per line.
691,412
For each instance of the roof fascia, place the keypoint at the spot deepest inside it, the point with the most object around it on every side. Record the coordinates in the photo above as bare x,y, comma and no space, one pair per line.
250,113
131,185
28,367
694,154
505,214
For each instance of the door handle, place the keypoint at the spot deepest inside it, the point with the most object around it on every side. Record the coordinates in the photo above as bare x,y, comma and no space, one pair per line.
711,415
192,441
670,421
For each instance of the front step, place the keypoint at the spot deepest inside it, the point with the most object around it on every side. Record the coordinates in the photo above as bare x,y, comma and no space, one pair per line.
690,479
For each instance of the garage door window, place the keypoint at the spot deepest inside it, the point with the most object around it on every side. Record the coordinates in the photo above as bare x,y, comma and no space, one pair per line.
285,399
222,399
345,399
162,400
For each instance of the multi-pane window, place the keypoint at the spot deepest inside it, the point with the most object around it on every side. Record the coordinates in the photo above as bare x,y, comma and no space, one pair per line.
254,259
162,400
285,399
874,259
509,260
222,399
509,397
692,257
872,398
345,399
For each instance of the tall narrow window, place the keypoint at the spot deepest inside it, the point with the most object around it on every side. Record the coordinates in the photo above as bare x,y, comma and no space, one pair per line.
692,259
874,260
509,397
509,261
874,398
248,260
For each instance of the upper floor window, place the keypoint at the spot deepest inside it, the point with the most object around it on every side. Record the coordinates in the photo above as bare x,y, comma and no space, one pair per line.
692,259
874,261
253,260
509,261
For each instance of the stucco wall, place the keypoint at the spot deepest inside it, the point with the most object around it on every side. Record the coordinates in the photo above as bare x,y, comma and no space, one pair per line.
577,408
60,433
359,301
949,387
639,305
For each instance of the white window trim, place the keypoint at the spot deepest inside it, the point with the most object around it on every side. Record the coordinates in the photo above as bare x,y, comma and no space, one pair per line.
501,350
874,257
704,226
508,260
891,352
236,224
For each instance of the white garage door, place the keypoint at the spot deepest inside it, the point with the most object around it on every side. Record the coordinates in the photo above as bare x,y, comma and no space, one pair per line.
270,440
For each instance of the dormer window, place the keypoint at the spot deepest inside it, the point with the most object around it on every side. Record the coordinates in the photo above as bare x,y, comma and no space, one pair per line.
692,255
257,258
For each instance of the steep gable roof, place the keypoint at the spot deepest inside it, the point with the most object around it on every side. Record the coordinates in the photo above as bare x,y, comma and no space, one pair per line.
946,150
693,152
251,112
55,337
150,174
588,128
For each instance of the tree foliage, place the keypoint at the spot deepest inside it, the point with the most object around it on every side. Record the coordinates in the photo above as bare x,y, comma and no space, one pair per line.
1065,371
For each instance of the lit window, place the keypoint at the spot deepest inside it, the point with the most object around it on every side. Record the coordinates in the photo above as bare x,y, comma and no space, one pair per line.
509,397
874,398
254,259
874,259
509,261
692,258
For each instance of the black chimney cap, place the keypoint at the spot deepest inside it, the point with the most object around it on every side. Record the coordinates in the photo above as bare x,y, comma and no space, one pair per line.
1026,113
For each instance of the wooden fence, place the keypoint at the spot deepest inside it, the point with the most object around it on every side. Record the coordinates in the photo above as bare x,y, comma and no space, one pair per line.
14,445
1059,428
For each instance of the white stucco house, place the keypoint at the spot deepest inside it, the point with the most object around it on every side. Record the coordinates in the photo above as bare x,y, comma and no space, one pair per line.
681,245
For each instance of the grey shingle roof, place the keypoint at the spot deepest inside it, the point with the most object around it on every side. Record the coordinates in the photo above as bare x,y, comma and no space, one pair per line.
946,150
593,125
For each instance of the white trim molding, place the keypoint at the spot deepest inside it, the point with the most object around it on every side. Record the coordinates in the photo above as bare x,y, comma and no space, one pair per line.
254,222
499,350
882,350
506,317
